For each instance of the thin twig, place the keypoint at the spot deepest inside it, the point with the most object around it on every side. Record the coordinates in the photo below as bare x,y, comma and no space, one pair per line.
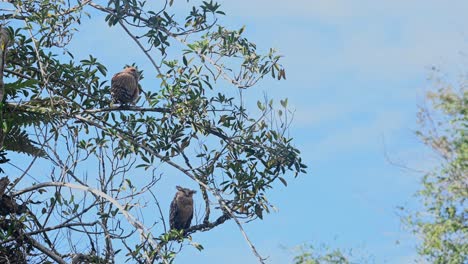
38,55
203,191
141,47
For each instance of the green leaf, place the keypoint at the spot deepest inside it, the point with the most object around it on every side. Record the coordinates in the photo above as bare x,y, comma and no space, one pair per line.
283,181
260,106
284,103
258,211
18,140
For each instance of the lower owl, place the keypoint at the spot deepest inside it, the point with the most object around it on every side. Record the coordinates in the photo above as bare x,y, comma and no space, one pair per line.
181,213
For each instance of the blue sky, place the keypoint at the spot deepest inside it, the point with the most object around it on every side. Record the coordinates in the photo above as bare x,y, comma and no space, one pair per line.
356,71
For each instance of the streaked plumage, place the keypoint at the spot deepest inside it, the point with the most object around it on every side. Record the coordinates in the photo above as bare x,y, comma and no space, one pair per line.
124,86
181,213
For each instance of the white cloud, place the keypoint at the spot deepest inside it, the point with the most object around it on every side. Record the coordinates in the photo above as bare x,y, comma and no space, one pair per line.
341,10
388,38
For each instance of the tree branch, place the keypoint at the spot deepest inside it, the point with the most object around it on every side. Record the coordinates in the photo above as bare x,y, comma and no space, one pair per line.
139,226
129,108
207,225
220,199
47,229
158,69
4,43
46,251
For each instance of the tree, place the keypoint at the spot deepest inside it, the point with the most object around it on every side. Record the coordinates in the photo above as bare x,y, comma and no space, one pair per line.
308,254
57,111
443,221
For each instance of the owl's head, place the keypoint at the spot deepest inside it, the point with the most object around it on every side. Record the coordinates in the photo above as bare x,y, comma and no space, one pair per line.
186,192
133,71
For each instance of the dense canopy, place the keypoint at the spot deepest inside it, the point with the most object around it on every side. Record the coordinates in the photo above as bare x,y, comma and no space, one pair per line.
80,154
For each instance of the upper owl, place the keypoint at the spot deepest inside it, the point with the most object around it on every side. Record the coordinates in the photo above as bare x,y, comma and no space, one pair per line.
124,86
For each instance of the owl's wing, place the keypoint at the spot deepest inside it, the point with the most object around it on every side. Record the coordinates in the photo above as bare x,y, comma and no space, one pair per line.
189,220
124,88
173,214
123,79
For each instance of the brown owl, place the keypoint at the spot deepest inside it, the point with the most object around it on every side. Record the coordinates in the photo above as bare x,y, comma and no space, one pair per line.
181,209
124,86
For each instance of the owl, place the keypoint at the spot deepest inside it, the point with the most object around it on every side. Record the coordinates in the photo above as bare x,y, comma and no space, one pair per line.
181,209
124,86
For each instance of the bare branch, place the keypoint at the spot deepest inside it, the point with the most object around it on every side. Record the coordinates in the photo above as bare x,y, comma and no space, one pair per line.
139,226
46,251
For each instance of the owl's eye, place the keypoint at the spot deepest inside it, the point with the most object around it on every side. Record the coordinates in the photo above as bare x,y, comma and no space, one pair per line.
133,70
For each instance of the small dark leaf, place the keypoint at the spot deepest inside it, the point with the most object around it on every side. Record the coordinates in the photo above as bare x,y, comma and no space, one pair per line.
258,211
283,181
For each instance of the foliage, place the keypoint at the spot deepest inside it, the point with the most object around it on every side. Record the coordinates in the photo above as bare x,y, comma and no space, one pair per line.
58,109
443,222
308,254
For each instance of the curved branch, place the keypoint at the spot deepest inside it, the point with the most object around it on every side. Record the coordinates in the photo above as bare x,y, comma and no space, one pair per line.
207,225
46,251
139,226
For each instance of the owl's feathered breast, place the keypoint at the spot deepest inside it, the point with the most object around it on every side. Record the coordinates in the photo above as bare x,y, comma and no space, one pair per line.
181,212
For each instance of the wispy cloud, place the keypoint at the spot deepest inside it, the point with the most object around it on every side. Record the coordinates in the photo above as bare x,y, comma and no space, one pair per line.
369,37
337,11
